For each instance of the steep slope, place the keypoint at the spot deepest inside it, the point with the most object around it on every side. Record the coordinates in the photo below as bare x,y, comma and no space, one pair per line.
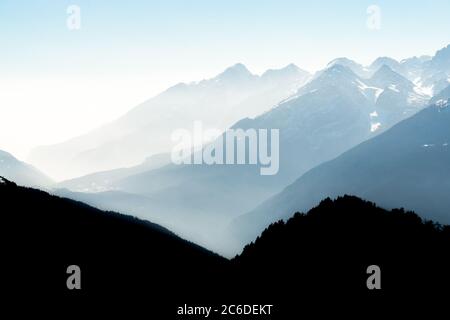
20,172
132,265
118,255
390,63
442,96
407,166
146,129
436,72
414,66
326,117
397,99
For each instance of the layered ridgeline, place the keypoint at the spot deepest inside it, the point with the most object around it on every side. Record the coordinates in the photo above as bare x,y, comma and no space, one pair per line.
406,166
118,255
391,97
334,112
146,129
430,73
21,172
124,260
218,103
342,106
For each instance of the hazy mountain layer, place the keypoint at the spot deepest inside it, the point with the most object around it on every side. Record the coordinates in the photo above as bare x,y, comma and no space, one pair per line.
407,166
147,129
328,116
22,173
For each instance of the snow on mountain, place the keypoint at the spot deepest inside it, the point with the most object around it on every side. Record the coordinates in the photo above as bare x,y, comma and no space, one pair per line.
370,92
429,74
406,166
326,117
435,72
331,113
357,68
389,94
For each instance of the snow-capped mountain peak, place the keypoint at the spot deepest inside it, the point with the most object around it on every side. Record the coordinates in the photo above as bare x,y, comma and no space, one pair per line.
357,68
391,63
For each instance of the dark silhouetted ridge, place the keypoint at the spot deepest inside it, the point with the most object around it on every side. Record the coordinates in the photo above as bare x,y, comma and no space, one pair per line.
317,258
329,249
119,255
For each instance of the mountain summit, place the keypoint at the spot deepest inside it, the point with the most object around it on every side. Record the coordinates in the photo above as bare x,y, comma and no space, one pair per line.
235,73
147,129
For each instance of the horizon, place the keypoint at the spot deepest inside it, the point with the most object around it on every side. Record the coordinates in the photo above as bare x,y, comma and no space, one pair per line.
23,153
59,83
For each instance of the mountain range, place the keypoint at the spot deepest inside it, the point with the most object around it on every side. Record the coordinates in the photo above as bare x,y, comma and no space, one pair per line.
332,113
321,118
130,264
21,172
146,129
406,166
218,102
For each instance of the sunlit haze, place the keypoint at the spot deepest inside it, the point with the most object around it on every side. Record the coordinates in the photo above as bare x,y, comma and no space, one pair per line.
56,83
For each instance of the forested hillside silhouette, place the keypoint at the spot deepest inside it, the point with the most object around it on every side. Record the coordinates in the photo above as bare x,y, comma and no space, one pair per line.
328,250
319,257
119,256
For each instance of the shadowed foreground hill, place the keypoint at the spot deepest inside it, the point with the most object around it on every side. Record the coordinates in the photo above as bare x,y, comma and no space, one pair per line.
329,249
118,255
318,258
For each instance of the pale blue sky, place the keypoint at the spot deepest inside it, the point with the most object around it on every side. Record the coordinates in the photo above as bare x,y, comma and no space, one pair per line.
127,51
136,36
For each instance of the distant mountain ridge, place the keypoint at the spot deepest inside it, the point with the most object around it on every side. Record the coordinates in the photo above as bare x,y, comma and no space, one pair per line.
146,129
23,173
337,109
329,115
430,73
406,166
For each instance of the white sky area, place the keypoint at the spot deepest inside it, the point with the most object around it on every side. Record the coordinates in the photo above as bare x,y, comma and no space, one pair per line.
46,110
56,84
